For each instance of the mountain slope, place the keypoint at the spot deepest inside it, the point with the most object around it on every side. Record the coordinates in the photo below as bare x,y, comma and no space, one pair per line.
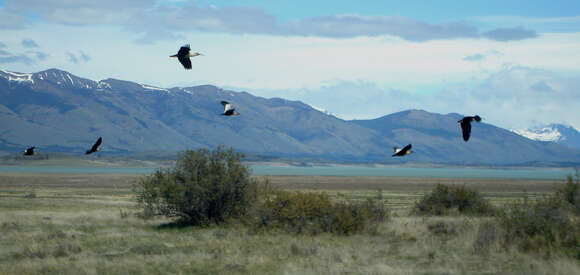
57,111
436,136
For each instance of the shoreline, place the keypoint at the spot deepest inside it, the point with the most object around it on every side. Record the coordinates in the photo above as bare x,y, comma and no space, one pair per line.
323,183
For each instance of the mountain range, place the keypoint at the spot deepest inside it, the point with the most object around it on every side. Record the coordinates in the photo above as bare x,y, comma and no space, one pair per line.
60,112
558,133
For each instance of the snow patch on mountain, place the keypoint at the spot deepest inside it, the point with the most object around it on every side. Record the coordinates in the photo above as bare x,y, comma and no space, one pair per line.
17,77
558,133
541,134
154,88
322,110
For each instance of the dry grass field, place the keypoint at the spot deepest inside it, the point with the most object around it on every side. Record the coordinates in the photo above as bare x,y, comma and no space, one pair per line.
87,224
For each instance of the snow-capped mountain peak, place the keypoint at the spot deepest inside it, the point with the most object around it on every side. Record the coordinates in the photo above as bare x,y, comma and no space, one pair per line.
558,133
541,134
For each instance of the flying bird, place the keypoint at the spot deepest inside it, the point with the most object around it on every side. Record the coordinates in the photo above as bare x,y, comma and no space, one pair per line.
229,110
183,56
466,125
30,151
95,146
402,152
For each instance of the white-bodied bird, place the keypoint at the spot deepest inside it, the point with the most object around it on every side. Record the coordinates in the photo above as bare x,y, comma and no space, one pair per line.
402,152
229,110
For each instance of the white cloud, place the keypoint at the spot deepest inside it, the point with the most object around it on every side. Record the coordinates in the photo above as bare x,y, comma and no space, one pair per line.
157,21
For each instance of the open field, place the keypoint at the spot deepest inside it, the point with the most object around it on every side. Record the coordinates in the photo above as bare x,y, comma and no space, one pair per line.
86,224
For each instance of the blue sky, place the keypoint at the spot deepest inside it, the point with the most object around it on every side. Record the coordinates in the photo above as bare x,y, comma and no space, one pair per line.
499,59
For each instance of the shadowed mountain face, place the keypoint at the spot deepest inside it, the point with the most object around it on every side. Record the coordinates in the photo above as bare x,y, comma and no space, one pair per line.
57,111
60,112
436,136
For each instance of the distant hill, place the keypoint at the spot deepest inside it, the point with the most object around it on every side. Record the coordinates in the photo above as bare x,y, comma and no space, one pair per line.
438,137
558,133
60,112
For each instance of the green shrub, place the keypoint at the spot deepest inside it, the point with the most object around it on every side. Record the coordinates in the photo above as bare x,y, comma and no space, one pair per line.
312,213
204,187
549,222
570,192
445,198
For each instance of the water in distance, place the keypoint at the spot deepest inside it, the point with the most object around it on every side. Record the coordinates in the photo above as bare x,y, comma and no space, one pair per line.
343,171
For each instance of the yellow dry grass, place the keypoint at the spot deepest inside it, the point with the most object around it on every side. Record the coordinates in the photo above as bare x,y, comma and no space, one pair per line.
86,224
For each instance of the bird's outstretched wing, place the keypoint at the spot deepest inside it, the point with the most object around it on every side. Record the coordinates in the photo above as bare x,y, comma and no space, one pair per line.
227,106
97,144
185,61
407,148
466,129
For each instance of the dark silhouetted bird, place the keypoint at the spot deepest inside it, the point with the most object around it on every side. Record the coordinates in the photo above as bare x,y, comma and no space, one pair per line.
183,56
30,151
402,152
229,110
466,125
95,146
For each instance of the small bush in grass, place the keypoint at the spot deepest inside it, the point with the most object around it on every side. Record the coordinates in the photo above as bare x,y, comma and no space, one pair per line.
312,213
548,222
445,198
204,187
570,192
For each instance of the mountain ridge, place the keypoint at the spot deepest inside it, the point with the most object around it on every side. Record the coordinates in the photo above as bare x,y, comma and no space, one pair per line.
59,111
554,132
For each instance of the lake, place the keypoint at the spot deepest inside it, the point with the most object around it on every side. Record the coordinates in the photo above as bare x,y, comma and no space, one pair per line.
344,171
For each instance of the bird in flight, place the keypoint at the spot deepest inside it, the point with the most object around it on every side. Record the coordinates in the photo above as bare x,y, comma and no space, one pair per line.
183,56
30,151
466,125
229,110
95,146
402,152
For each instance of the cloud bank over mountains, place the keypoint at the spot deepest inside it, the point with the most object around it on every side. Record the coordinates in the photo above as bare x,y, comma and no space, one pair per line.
156,21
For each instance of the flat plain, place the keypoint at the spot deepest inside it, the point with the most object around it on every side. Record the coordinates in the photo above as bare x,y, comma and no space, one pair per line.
87,224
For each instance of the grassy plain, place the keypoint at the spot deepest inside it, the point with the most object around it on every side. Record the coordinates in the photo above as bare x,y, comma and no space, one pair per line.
86,224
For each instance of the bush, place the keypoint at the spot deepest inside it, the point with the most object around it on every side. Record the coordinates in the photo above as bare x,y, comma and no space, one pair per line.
312,213
570,192
445,198
540,224
204,187
549,222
